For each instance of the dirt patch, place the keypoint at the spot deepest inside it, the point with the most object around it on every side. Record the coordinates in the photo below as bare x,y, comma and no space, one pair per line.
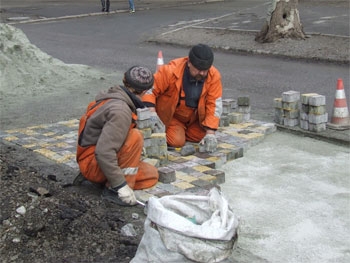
45,221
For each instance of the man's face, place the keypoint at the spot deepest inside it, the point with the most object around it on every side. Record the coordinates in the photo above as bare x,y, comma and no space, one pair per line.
196,73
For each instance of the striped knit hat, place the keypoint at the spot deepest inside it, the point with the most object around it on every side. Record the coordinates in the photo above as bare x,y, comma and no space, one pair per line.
140,78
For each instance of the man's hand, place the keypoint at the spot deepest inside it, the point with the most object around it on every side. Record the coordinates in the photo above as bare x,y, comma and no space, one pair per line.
208,143
126,194
157,124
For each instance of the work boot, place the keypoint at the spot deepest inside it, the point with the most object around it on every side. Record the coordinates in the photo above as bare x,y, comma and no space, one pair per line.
79,179
111,195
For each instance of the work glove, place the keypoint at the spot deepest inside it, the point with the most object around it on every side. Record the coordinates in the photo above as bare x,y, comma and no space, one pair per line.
157,124
126,194
208,143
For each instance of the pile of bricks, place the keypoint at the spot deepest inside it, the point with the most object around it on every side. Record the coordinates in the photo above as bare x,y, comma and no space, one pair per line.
244,107
287,108
155,145
235,111
313,115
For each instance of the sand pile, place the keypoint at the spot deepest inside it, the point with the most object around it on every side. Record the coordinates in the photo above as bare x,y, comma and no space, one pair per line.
33,83
24,68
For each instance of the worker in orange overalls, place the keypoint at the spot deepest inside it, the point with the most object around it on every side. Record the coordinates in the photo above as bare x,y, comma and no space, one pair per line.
109,146
187,97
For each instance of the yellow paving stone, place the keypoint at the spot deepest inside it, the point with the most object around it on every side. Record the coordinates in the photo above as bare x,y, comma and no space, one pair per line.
59,137
48,134
172,158
160,135
46,153
11,138
31,145
243,125
29,132
68,122
226,146
152,161
207,177
213,159
46,144
66,158
254,135
185,177
189,157
72,125
201,168
247,136
62,144
13,131
38,126
183,185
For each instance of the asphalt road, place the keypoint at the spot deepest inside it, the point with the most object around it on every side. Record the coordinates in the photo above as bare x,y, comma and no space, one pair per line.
118,40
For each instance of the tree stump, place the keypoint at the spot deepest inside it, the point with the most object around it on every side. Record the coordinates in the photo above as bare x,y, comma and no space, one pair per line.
282,22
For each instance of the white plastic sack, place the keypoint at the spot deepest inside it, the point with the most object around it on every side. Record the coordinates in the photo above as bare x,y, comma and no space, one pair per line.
188,228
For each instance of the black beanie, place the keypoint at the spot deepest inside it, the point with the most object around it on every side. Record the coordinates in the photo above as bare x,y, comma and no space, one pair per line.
201,56
139,78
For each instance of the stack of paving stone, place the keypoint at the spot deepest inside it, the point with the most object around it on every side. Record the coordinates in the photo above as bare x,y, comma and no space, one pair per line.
235,111
287,111
228,115
313,115
154,143
244,107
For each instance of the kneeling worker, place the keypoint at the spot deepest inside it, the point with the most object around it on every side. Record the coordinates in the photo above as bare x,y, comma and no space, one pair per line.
187,97
109,146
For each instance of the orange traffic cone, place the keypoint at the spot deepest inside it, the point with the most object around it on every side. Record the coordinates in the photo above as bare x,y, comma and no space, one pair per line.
340,119
160,60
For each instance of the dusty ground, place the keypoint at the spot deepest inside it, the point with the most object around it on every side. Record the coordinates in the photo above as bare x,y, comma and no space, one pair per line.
41,219
61,223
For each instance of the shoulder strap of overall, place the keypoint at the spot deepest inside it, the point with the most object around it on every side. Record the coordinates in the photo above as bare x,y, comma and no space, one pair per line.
91,109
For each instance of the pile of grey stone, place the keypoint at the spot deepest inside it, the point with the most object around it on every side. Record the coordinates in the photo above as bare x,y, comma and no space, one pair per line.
307,110
235,111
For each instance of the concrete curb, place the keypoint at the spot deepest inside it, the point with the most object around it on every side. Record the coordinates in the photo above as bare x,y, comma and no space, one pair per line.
45,19
328,136
242,41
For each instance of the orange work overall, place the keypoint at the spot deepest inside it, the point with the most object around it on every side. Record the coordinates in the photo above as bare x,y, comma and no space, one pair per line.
184,126
128,157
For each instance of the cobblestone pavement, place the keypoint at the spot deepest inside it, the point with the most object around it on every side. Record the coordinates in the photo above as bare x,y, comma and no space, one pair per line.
194,173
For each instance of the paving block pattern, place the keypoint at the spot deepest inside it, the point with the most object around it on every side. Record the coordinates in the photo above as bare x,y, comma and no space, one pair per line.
55,141
193,172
